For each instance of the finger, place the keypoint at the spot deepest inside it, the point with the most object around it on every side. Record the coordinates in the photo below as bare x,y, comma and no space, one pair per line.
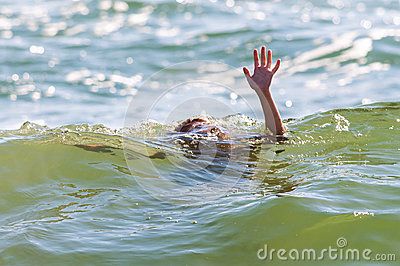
269,59
276,67
263,56
246,71
256,60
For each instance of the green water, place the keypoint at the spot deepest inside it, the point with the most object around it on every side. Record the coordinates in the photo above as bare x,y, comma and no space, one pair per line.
67,204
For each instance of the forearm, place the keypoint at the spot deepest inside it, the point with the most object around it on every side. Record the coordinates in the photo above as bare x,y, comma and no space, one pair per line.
273,120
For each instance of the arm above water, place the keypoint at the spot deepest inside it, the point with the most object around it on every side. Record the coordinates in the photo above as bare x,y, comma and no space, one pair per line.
260,82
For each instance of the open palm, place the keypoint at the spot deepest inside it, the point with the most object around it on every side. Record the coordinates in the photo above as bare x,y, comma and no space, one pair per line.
262,76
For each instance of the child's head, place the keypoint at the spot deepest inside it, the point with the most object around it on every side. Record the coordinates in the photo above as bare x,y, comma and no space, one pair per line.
202,125
192,123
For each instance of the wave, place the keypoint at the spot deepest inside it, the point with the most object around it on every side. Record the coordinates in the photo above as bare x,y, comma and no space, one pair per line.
361,136
79,180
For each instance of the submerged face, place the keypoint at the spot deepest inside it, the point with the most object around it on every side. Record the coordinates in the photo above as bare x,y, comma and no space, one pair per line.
202,126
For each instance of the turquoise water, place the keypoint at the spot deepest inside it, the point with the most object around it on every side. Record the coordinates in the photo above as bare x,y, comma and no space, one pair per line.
87,180
325,65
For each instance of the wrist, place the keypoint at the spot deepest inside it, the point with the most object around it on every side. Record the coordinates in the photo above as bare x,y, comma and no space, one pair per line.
265,93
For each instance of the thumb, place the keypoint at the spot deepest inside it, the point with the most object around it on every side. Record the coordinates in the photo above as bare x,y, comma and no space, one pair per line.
246,71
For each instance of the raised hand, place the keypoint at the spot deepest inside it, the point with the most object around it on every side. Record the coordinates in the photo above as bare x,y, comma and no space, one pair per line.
262,76
260,82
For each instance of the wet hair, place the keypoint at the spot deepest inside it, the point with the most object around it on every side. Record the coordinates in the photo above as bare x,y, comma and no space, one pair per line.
202,125
191,123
